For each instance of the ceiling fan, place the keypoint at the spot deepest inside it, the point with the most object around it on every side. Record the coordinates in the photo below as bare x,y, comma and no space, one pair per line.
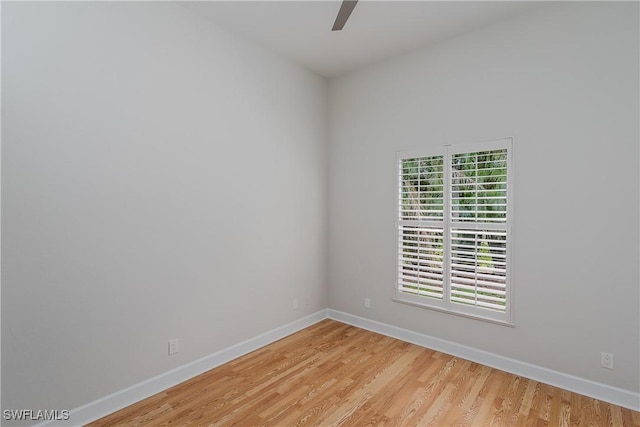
343,14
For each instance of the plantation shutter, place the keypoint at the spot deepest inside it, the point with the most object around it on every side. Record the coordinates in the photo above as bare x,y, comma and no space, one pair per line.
453,229
479,186
478,268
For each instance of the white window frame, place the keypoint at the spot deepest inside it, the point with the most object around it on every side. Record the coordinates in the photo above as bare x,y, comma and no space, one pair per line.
445,304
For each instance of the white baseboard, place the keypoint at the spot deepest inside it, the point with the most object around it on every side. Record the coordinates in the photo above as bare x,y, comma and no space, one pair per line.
137,392
123,398
617,396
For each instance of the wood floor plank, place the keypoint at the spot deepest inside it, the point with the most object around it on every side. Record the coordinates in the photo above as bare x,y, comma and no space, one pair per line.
332,374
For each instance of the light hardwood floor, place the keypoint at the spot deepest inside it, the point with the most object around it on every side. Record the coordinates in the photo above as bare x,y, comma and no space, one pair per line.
332,374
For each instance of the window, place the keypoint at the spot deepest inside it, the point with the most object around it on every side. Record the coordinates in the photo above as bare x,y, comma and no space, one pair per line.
454,226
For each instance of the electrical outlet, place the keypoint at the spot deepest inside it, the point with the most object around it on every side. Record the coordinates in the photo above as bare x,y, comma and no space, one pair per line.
606,360
367,302
174,346
295,304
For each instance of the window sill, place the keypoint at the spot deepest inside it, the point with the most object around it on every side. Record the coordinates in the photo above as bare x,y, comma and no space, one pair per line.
456,313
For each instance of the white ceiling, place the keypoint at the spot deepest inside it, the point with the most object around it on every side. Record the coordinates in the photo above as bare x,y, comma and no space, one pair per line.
301,30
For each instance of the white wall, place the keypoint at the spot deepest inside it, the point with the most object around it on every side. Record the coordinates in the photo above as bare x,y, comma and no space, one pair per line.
161,179
563,81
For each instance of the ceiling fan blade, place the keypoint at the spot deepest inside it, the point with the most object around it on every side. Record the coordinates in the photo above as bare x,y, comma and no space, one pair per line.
343,14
